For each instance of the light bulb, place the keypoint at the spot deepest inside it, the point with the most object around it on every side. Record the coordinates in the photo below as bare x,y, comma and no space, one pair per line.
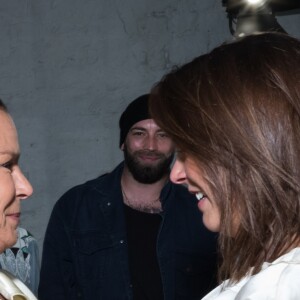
256,2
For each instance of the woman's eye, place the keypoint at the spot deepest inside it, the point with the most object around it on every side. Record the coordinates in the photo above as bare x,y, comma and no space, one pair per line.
8,165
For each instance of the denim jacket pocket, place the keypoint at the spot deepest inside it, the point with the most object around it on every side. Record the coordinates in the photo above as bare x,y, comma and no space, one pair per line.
88,243
93,255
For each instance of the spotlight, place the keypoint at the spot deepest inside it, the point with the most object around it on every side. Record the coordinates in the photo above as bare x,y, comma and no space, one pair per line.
256,2
254,16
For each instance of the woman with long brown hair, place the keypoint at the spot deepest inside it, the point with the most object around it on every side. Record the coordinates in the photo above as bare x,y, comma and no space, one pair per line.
234,115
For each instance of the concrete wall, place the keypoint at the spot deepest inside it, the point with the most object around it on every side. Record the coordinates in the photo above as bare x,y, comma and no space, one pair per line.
69,67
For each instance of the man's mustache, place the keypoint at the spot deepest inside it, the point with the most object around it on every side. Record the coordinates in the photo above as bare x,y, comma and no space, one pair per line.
150,153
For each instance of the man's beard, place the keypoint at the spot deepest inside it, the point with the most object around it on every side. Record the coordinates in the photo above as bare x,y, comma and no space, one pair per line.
147,173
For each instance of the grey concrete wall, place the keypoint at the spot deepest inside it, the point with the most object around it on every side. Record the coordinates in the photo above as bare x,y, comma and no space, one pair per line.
69,67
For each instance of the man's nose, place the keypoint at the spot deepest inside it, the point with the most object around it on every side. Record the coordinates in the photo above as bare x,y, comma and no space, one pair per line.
151,143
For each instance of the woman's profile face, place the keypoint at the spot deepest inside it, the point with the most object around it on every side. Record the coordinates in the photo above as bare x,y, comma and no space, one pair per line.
187,172
13,185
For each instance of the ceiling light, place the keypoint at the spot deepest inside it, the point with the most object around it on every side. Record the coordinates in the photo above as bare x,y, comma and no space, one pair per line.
254,16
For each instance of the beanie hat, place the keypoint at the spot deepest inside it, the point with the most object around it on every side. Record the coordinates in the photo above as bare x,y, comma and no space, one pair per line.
135,112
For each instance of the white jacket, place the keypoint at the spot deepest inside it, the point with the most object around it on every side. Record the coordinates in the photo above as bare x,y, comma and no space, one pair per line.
279,280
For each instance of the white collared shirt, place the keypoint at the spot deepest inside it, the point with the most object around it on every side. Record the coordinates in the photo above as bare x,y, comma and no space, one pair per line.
279,280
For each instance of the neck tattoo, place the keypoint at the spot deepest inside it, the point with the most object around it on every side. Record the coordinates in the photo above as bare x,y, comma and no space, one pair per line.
152,207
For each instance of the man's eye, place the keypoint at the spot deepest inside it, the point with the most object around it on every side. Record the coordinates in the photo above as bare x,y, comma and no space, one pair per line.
138,133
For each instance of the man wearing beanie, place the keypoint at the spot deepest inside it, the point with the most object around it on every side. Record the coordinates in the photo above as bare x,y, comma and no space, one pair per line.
131,233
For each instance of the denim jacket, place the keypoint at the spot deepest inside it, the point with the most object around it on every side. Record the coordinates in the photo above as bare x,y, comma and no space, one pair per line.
85,247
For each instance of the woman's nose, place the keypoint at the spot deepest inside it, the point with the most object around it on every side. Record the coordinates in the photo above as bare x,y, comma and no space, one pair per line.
23,186
178,175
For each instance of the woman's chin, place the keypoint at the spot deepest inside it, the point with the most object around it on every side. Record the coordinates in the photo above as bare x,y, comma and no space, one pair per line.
9,241
213,226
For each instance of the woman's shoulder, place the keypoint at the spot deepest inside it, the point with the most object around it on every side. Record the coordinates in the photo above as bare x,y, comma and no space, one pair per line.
288,282
226,291
276,280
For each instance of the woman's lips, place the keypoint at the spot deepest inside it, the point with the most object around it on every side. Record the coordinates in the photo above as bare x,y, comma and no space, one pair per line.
201,204
197,194
201,199
14,216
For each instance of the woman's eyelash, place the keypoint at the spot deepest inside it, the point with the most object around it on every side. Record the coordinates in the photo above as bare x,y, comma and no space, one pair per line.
8,165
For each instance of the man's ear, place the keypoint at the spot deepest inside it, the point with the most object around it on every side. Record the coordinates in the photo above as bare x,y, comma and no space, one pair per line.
122,147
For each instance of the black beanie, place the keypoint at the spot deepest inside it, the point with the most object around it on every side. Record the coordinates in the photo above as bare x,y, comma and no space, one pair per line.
136,111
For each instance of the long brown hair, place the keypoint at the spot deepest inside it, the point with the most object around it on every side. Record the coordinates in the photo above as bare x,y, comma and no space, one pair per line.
236,111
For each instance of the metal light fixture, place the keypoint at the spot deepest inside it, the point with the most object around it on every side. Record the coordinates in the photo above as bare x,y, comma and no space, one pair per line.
254,16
